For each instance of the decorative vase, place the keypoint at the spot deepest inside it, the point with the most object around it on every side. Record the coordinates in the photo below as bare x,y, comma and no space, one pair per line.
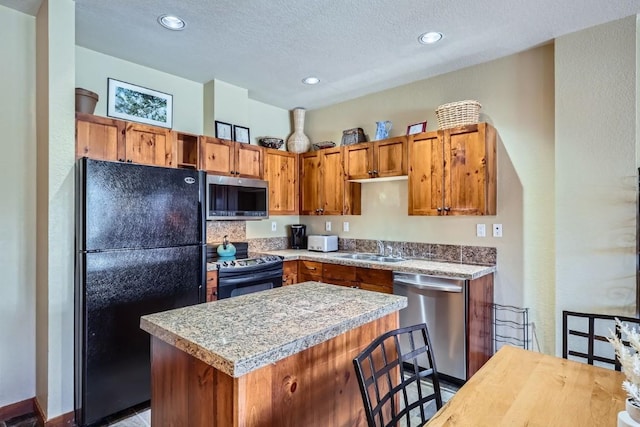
630,417
298,142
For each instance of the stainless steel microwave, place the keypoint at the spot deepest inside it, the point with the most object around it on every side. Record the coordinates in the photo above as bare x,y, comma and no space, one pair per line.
231,198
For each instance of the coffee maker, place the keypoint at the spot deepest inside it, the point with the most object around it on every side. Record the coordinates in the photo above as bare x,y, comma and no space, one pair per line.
298,236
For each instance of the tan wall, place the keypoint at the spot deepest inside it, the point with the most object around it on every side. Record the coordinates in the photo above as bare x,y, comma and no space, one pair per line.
517,94
17,211
596,169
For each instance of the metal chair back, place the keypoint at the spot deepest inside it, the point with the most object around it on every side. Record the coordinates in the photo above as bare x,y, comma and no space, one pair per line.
398,377
584,337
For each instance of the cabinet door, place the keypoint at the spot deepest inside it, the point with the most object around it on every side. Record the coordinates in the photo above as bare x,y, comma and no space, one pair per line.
310,183
281,170
212,285
217,155
358,161
332,181
426,173
289,272
469,179
99,137
391,157
371,279
148,145
248,161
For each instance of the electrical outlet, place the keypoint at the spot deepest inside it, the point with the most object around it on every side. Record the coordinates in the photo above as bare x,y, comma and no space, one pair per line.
345,226
274,226
481,230
497,230
327,226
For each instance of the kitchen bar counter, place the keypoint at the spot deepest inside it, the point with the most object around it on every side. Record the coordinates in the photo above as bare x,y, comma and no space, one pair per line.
277,357
238,335
431,268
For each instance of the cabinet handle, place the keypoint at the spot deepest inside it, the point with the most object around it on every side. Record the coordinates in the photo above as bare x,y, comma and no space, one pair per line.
321,210
375,172
439,209
370,172
311,268
447,208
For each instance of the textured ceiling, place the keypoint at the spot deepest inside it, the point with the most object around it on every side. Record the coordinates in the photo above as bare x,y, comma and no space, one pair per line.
355,47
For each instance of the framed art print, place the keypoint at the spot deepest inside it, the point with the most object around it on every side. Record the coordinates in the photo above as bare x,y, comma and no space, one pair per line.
416,128
224,130
241,134
139,104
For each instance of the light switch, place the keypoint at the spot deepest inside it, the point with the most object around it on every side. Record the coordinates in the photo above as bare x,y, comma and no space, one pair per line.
481,230
497,230
274,226
345,226
327,226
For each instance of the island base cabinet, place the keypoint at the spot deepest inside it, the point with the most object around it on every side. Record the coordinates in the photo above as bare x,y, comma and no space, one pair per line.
317,386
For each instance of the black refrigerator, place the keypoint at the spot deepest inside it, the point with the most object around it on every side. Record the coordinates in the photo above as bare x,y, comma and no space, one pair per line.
140,249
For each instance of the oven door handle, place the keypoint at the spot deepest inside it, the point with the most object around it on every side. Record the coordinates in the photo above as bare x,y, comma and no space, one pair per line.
229,281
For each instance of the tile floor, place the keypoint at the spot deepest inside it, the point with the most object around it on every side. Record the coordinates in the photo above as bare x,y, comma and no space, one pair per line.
142,418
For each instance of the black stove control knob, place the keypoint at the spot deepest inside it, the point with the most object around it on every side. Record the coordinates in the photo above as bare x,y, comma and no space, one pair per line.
233,263
224,263
260,261
240,263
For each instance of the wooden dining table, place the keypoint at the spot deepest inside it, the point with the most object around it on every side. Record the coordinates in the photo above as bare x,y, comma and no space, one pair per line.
519,387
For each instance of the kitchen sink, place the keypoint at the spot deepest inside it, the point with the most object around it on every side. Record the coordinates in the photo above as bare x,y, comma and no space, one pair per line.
372,257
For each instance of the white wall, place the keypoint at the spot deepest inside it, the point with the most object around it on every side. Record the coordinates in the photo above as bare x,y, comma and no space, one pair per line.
94,68
17,210
55,36
596,175
517,97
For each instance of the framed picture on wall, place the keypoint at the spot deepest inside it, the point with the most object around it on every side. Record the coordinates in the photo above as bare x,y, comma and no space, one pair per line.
416,128
241,134
224,130
139,104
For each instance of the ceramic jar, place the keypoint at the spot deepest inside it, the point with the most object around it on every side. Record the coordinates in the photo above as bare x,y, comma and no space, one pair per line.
298,142
630,417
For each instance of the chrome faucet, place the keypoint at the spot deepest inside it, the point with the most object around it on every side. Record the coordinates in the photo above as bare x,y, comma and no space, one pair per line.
380,247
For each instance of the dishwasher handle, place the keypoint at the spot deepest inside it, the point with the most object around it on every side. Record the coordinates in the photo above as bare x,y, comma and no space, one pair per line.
442,287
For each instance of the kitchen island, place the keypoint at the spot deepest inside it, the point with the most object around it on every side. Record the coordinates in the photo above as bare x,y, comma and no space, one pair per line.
277,357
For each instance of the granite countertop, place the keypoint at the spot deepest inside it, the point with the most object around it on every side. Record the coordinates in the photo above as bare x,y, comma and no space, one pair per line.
241,334
432,268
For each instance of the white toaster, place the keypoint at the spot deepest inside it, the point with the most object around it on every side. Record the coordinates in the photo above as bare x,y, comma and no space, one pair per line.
322,243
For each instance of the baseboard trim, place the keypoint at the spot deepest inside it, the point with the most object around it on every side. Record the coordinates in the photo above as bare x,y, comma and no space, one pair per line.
64,420
17,409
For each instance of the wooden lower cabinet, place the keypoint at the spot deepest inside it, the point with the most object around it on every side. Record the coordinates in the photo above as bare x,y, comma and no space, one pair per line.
289,272
212,286
369,279
316,387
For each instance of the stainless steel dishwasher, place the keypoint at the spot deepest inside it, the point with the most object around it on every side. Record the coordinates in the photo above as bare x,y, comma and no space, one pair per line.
440,303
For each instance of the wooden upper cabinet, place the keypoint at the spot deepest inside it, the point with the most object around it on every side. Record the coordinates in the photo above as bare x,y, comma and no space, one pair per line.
217,156
310,201
331,182
281,170
249,160
358,159
99,137
378,159
323,190
453,171
224,157
104,138
390,157
470,181
149,145
188,152
425,173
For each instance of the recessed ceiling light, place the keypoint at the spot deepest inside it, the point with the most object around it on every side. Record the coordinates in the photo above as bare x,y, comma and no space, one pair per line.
172,22
430,37
311,80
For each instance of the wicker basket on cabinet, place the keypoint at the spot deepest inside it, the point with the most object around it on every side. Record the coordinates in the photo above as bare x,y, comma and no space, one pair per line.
458,113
